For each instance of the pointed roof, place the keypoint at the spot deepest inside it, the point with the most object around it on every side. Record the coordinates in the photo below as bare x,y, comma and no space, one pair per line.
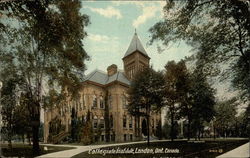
135,45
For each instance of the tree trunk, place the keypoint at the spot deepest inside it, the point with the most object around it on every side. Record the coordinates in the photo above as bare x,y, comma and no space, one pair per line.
214,130
172,126
148,128
188,129
28,135
35,137
199,133
148,112
107,118
9,143
23,137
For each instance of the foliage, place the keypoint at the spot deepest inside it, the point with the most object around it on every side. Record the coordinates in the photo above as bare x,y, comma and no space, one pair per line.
107,118
9,103
202,100
225,116
146,93
176,77
87,136
44,44
217,29
22,118
158,132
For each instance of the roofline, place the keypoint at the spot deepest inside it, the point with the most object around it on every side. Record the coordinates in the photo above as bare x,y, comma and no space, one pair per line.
114,82
93,83
106,85
135,52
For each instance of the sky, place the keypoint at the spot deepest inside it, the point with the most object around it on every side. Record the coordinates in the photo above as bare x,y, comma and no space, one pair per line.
112,27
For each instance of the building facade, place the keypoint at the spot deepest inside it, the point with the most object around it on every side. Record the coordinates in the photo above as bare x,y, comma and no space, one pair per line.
100,89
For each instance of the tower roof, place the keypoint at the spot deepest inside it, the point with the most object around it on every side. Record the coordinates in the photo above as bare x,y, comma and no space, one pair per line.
135,45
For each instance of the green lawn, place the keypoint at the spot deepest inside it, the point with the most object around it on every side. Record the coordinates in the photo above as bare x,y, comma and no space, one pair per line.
203,149
25,150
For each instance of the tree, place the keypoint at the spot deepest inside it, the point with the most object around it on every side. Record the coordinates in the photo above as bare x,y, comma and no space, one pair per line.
219,30
87,137
9,103
22,126
225,116
146,94
107,117
202,100
46,45
158,132
176,78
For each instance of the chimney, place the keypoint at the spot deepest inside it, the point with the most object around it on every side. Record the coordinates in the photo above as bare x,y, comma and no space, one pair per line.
112,69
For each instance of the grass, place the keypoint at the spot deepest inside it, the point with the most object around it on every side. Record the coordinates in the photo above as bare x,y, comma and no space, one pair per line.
202,149
25,150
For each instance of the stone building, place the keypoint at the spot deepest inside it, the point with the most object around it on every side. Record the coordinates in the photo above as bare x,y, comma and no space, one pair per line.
111,88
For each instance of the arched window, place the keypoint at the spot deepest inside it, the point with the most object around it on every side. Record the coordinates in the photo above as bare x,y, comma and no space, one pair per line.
94,101
101,102
124,121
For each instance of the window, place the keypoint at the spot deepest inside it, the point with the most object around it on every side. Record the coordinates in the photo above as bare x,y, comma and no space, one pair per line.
131,137
124,101
102,138
110,101
130,122
95,122
112,136
125,136
94,102
83,102
101,103
102,123
124,122
111,121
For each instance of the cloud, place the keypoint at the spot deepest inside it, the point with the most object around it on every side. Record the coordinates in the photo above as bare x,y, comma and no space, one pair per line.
149,10
108,12
101,38
98,38
147,13
136,3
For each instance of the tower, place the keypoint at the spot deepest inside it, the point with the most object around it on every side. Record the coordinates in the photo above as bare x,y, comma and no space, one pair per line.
135,58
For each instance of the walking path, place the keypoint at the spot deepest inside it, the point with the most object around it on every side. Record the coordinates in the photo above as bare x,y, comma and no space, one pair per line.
80,149
240,152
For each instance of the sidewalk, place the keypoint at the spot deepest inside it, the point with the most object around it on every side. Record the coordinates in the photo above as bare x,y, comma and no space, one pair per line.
240,152
80,149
